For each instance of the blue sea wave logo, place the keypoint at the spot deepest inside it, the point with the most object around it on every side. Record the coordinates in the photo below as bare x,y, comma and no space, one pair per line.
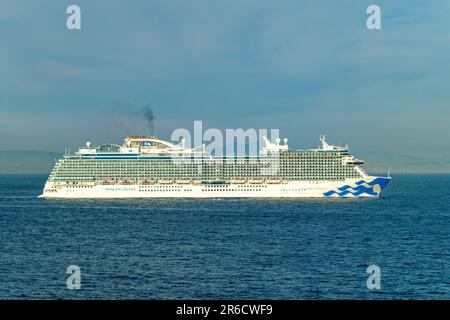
361,188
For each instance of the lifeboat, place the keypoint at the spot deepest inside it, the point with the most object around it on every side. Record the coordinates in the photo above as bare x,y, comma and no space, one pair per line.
256,181
273,181
238,181
126,181
147,181
214,182
106,181
183,181
165,181
196,182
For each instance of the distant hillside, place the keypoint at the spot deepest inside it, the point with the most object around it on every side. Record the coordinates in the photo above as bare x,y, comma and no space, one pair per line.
21,161
381,161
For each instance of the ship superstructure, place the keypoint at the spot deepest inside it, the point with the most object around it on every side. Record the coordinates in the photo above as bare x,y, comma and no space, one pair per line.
145,166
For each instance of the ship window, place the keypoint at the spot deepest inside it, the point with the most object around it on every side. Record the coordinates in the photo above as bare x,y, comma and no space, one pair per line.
108,148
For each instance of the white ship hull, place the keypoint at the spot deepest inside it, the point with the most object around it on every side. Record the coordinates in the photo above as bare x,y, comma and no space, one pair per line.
366,187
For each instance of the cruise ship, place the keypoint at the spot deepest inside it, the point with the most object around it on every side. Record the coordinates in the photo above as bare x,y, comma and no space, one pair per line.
145,166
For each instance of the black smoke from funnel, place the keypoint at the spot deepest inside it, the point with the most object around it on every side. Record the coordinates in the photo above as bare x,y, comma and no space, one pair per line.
149,116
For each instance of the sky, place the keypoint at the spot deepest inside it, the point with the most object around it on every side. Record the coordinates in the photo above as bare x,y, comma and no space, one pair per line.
304,67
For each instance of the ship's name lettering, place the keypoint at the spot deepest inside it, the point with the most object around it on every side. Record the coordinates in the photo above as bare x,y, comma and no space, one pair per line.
120,189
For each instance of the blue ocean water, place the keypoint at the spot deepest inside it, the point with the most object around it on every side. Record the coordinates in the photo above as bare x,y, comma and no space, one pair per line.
227,248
